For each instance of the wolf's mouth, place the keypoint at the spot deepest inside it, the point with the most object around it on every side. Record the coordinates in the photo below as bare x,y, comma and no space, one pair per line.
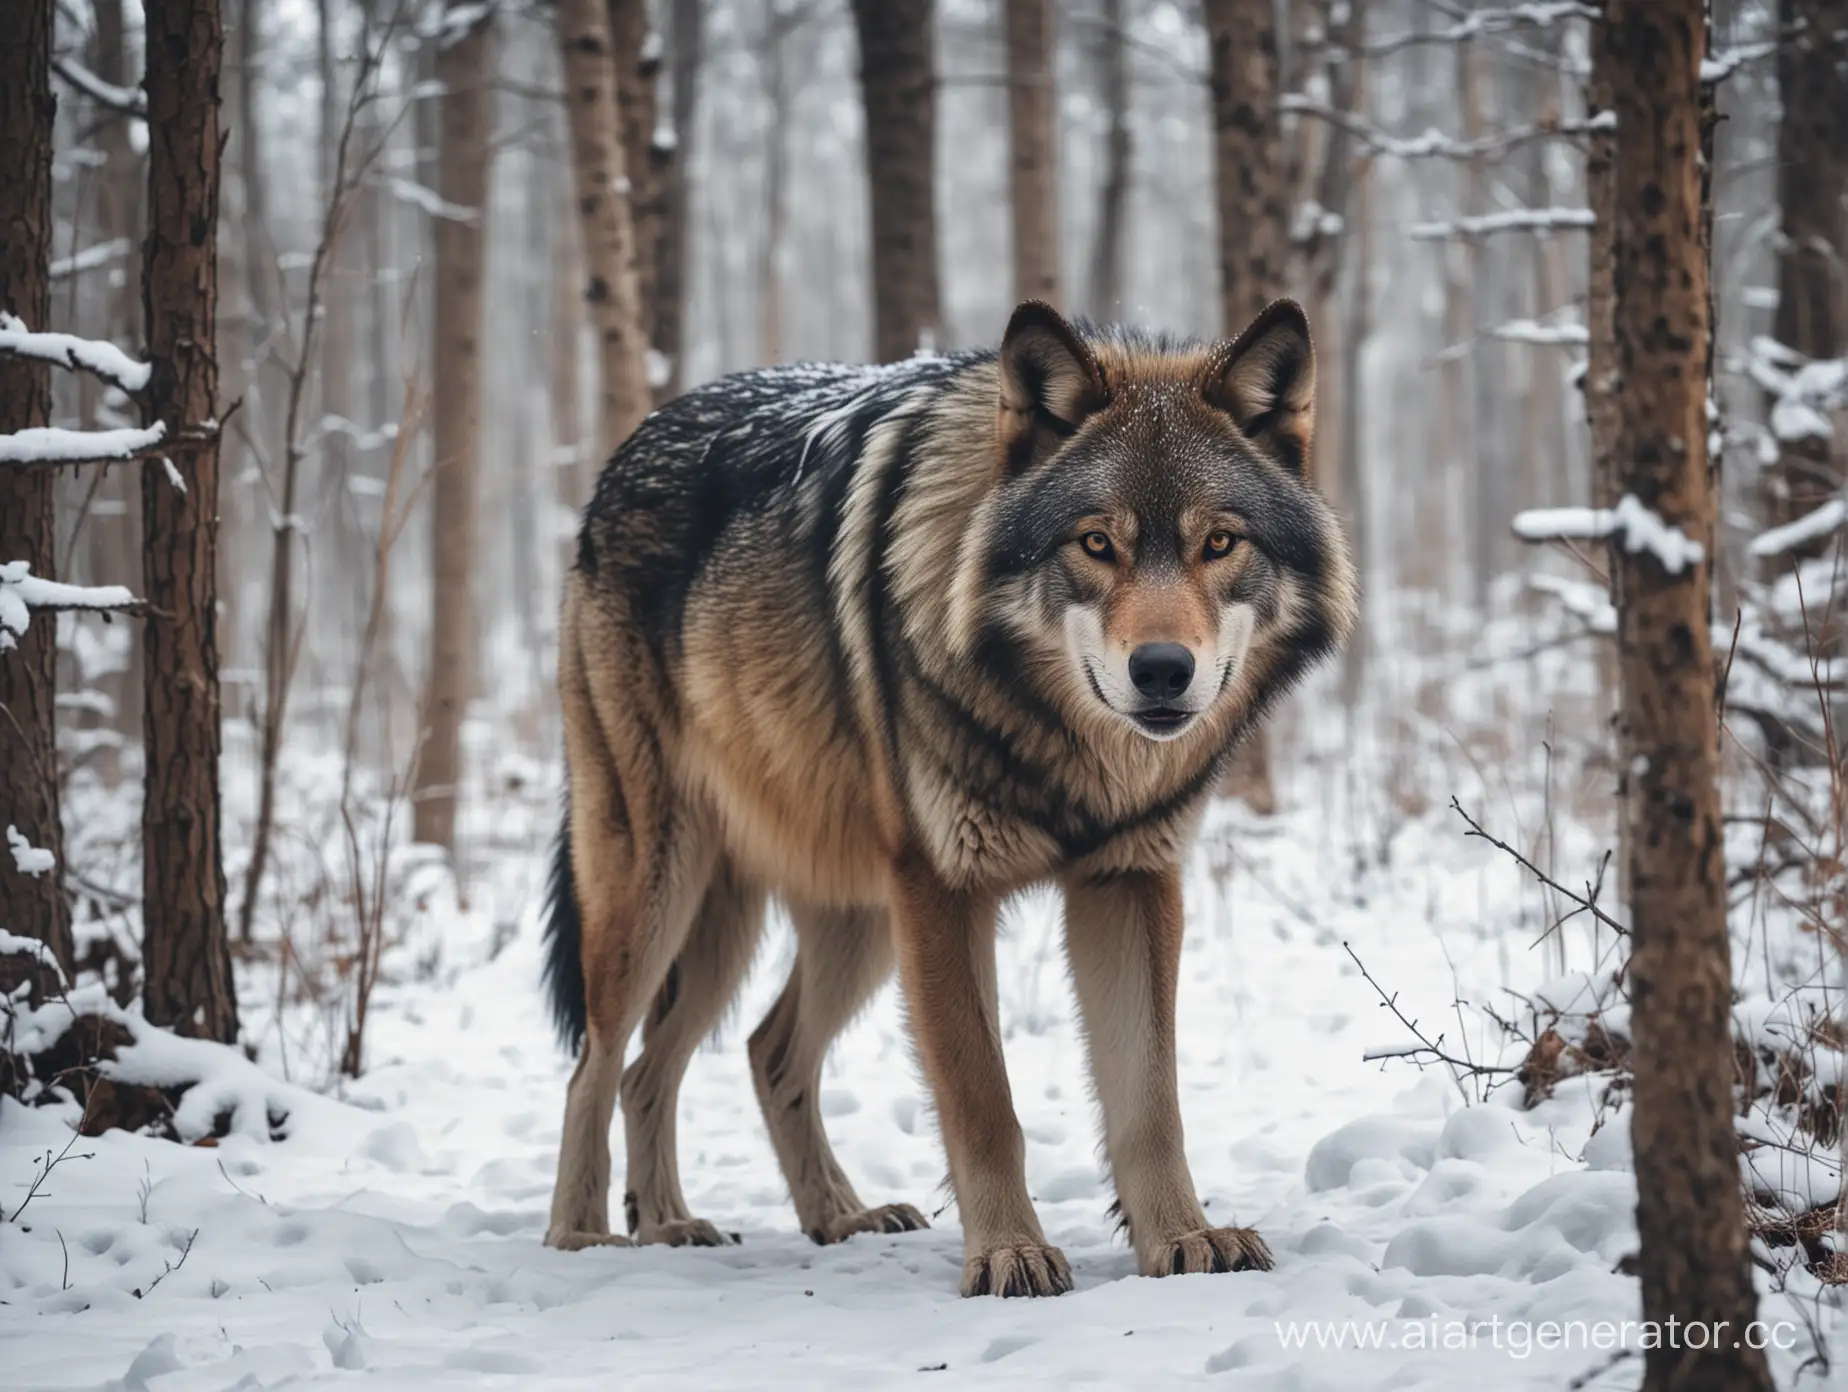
1162,720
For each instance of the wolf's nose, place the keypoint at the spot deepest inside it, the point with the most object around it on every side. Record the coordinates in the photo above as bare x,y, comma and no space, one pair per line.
1161,671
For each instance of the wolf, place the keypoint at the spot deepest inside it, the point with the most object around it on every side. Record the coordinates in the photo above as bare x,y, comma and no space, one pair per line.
892,644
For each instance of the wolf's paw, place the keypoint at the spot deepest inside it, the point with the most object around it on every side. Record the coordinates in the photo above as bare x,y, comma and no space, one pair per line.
683,1232
1210,1249
886,1218
576,1240
1029,1269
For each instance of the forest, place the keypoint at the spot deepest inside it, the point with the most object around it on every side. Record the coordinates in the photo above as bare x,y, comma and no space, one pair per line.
1512,995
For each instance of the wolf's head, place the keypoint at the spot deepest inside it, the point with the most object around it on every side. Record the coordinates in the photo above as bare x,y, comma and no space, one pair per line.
1154,550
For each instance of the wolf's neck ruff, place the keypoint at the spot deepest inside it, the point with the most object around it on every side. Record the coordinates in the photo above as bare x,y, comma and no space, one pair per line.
892,643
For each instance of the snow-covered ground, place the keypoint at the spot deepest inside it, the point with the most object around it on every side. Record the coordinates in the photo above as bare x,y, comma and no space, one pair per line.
392,1240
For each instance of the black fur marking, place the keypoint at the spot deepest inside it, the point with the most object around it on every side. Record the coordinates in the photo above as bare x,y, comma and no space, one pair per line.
883,626
564,938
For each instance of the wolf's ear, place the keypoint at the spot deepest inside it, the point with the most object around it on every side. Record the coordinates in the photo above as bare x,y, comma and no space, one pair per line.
1265,380
1049,384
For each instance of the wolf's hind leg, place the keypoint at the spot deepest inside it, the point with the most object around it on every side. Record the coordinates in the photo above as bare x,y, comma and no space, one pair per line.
699,986
842,956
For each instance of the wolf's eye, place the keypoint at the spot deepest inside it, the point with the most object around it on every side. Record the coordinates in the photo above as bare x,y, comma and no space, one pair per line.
1098,545
1219,545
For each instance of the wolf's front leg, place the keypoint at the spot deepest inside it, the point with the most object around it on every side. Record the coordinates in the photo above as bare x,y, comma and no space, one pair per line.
946,960
1123,935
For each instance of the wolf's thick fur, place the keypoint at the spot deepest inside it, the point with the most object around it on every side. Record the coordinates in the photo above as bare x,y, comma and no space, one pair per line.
892,644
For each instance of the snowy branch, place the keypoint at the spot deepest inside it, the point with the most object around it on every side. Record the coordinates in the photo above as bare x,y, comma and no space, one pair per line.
1639,528
23,594
28,859
1728,61
1435,144
1480,24
1810,527
90,258
51,445
101,360
1515,220
1533,331
430,201
128,101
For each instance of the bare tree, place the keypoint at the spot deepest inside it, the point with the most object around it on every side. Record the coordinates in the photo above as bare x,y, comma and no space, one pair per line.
1254,232
686,33
1108,246
185,956
898,85
1695,1258
599,163
1033,149
30,903
465,69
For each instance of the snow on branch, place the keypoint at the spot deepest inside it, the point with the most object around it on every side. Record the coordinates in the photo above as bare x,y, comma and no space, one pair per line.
1639,528
1588,603
1480,24
1812,525
1804,390
23,594
1722,65
101,360
1435,144
90,258
1514,220
55,446
28,859
1533,331
129,101
430,201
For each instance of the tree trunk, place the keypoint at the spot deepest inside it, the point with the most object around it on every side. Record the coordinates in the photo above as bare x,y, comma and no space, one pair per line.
336,359
30,904
115,532
1107,248
599,162
1812,184
1254,232
898,84
464,67
677,225
1033,145
1695,1260
574,471
638,66
185,957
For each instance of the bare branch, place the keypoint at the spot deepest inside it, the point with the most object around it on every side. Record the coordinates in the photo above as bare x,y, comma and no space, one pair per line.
1515,220
126,101
1435,144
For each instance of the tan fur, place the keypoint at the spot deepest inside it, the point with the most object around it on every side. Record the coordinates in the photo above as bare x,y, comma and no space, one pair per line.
761,760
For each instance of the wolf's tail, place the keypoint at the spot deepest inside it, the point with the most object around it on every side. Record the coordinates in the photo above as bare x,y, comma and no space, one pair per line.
564,954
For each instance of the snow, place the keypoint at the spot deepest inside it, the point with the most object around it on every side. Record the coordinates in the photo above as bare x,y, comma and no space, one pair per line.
55,445
391,1239
90,258
1512,220
430,201
104,360
27,858
21,592
1533,331
1639,527
1820,522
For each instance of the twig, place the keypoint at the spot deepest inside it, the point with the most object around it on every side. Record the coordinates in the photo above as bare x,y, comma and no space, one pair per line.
1587,905
170,1267
51,1163
1424,1046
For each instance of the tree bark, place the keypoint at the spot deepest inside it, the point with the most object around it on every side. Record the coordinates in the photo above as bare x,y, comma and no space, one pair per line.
464,67
32,905
677,224
599,162
185,957
1108,246
1695,1260
1033,146
1254,231
898,85
638,66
